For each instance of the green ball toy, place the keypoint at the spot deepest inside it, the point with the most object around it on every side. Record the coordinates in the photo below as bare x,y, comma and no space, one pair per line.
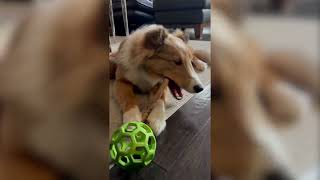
133,146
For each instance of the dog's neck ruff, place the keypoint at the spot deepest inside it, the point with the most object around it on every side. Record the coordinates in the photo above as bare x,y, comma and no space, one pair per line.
142,79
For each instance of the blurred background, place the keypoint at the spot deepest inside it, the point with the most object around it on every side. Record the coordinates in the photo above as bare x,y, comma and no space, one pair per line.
286,24
305,8
290,26
190,15
50,128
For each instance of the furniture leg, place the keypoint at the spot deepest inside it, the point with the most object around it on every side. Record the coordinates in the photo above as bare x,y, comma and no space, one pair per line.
112,19
198,29
125,16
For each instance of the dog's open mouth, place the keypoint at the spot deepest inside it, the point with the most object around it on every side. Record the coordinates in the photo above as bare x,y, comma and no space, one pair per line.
175,90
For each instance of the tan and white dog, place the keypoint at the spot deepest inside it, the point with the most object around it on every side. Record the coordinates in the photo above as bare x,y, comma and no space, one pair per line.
149,60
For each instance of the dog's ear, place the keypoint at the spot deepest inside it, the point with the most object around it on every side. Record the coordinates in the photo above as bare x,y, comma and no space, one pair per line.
181,34
155,38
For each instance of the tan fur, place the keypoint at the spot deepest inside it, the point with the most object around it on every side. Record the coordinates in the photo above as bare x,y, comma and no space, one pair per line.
145,59
158,92
53,90
126,97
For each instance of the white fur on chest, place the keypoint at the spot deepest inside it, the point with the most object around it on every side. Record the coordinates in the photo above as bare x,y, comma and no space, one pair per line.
142,79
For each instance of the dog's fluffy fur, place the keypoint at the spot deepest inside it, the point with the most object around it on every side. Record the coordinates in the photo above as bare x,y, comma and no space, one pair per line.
54,92
248,101
148,57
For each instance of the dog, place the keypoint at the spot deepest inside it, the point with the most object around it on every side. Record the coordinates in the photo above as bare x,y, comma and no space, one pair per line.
248,101
150,60
53,93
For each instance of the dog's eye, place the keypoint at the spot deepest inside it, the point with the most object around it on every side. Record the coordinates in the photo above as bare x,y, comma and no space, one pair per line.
178,62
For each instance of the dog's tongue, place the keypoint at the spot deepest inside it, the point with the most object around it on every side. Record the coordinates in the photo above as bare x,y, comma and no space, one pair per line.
175,90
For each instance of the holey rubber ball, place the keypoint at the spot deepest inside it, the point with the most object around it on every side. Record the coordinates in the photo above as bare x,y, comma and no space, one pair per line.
133,146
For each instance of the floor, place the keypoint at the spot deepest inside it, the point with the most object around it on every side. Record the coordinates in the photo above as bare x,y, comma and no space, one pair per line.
183,149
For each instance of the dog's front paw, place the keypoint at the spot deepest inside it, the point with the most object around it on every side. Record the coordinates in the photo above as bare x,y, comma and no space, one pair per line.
157,118
157,126
132,114
199,65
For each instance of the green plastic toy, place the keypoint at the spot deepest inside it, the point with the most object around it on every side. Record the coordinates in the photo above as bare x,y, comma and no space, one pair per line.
133,146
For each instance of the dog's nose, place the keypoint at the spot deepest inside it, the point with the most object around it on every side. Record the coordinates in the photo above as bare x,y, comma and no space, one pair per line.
197,88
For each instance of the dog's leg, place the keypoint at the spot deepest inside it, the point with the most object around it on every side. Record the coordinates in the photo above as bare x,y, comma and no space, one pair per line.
201,60
202,55
156,118
127,100
198,64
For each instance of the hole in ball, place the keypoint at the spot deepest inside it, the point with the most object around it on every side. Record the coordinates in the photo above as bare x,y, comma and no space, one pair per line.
137,156
124,159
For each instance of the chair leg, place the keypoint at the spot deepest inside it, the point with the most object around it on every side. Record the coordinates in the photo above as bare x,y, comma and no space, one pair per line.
125,16
198,29
112,18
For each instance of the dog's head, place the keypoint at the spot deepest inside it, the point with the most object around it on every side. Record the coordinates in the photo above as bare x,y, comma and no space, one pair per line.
172,58
164,54
54,89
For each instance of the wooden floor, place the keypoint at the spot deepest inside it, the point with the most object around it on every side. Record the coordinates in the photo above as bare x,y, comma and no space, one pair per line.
183,149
